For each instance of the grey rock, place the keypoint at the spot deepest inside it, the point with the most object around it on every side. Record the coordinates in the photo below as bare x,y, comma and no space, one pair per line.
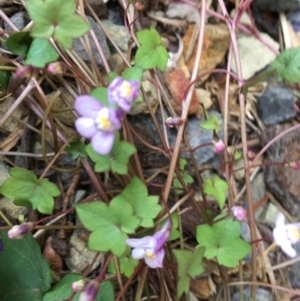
196,135
20,20
261,295
199,136
294,270
80,49
246,235
118,33
267,214
276,105
183,11
277,5
294,18
80,257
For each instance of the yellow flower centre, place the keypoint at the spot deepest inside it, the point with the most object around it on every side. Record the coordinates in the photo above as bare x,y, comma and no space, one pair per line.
295,234
150,255
126,89
102,120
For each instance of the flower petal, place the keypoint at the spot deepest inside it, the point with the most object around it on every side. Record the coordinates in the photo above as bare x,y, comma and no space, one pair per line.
115,117
280,220
139,242
88,106
86,127
288,250
138,253
102,142
157,261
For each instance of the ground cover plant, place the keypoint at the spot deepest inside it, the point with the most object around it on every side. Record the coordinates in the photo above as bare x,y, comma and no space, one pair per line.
134,211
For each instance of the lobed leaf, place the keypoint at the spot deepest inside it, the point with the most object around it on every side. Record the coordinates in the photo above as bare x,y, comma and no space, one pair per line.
27,190
109,224
56,18
222,240
188,268
151,54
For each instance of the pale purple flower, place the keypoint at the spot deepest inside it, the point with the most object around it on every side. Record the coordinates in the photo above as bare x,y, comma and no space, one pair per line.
97,123
90,291
285,235
219,147
17,232
239,212
151,248
123,92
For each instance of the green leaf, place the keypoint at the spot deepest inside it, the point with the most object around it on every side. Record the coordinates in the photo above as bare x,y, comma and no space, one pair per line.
188,268
175,234
112,76
120,154
151,54
287,65
19,43
27,190
216,188
237,155
102,95
211,123
187,180
223,241
145,207
63,290
25,273
76,149
40,53
126,264
56,18
5,78
116,160
133,73
109,224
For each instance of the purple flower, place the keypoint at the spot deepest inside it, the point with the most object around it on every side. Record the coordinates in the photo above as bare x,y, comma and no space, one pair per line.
151,247
97,123
90,291
285,235
19,231
123,93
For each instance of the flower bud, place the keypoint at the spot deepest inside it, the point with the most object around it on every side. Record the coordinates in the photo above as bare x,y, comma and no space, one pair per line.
295,165
56,68
138,6
219,147
250,154
78,286
17,232
173,121
90,291
239,212
24,71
